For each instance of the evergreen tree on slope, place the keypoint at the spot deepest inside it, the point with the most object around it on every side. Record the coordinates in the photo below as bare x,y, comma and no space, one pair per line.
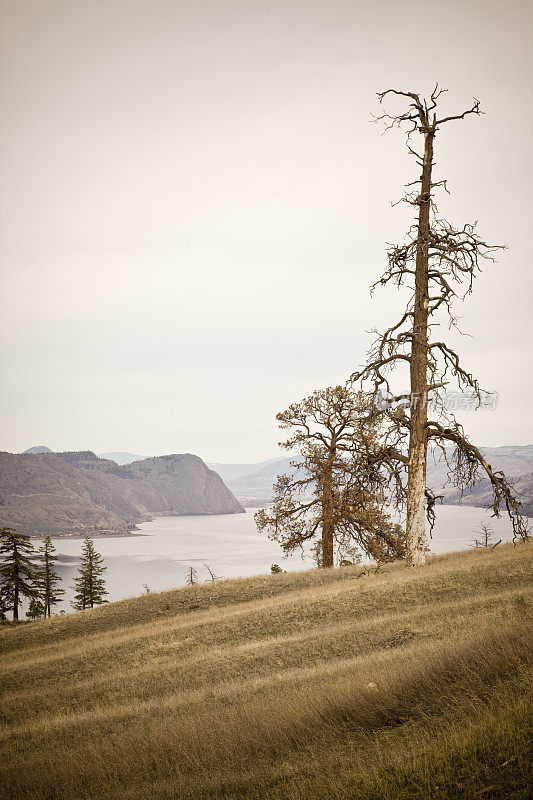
18,573
48,580
89,585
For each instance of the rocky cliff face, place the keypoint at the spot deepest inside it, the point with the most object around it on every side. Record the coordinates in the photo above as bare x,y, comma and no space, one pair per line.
76,493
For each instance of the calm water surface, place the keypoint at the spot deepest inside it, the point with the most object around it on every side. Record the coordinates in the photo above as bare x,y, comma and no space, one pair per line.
230,544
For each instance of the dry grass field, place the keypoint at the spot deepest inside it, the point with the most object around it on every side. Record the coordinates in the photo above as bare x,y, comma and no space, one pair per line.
405,685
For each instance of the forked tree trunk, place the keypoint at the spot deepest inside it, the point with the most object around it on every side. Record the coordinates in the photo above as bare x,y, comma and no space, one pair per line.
416,480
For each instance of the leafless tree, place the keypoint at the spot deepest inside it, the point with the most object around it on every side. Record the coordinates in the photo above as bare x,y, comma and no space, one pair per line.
192,577
334,494
485,537
438,262
212,576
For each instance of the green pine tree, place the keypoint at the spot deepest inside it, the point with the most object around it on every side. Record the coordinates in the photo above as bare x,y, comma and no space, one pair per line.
6,602
89,585
48,580
36,609
18,573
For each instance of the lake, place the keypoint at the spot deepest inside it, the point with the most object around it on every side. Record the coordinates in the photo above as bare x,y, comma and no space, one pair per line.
229,544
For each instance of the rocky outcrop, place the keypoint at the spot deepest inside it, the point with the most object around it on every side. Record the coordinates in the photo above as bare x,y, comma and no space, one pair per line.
77,493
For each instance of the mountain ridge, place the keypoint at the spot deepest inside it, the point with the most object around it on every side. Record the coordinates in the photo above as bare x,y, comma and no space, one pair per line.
516,461
121,458
252,483
74,493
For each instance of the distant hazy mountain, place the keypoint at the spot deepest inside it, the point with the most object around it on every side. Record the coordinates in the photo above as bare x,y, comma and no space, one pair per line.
37,450
232,472
121,458
513,460
254,482
260,482
251,482
73,493
481,494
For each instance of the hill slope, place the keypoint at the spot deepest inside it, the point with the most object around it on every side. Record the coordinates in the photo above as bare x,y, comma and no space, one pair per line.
74,493
406,685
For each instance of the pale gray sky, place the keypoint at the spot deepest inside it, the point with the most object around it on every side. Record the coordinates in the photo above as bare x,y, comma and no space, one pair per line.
194,203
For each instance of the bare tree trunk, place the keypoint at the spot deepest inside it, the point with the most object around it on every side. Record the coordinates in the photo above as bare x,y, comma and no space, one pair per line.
327,515
47,606
445,258
327,545
16,602
416,480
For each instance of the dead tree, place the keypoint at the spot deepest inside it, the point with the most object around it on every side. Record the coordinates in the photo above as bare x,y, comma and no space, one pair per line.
212,576
486,537
438,262
192,577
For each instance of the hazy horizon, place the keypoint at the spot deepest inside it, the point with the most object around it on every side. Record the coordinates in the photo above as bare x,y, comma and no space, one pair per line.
240,462
194,203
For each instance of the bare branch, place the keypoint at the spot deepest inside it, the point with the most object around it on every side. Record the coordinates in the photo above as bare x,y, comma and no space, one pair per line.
469,460
475,109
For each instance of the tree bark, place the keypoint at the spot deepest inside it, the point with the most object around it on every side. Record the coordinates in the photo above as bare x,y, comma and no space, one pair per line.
416,480
327,515
16,601
327,546
47,608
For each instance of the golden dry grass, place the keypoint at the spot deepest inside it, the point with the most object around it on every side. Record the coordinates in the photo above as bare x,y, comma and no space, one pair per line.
408,684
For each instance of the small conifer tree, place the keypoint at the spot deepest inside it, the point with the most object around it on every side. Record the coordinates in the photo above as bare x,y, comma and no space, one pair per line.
89,585
36,609
48,580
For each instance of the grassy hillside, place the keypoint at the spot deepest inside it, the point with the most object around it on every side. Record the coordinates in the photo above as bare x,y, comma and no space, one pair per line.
406,685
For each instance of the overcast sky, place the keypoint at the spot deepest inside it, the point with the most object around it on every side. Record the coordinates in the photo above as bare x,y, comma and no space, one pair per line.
194,202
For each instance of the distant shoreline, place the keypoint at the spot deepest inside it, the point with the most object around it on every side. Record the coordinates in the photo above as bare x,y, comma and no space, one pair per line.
92,534
133,531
